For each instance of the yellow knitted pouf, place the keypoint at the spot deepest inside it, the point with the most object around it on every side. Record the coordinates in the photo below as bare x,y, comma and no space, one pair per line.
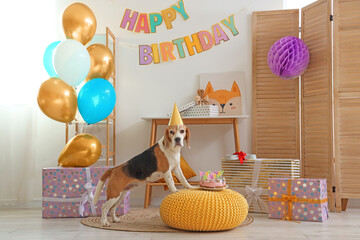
200,210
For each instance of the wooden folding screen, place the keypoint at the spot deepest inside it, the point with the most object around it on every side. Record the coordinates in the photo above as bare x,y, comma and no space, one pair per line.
275,101
347,98
316,96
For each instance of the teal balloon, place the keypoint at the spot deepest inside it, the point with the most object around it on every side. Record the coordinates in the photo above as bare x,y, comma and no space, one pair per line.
96,100
48,59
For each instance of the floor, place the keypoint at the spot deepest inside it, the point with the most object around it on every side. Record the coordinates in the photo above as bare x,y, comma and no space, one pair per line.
28,224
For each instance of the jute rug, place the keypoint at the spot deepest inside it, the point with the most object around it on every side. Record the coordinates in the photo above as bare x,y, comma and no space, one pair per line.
141,220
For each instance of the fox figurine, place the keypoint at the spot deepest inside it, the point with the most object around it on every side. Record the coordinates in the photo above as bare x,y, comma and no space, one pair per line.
229,102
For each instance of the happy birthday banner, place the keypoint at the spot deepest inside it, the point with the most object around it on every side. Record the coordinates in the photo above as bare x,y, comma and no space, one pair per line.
157,52
155,19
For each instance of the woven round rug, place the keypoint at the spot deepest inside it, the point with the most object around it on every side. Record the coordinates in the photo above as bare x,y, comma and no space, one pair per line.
141,220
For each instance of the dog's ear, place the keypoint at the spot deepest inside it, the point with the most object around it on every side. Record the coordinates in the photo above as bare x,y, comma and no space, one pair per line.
187,137
167,139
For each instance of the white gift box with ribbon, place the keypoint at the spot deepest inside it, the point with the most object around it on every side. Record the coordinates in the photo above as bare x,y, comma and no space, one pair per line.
251,177
201,111
184,107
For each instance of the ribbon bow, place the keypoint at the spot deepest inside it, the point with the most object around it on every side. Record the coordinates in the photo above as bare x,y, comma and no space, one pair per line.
201,99
241,156
88,196
289,200
253,194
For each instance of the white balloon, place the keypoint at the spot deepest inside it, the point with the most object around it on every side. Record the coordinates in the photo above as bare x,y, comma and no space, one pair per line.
71,62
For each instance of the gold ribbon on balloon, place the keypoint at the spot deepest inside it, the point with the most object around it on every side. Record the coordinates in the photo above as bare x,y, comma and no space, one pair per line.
201,99
290,199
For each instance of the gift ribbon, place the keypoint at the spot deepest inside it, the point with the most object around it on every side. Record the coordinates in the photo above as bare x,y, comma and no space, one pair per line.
253,193
290,199
88,196
201,99
241,155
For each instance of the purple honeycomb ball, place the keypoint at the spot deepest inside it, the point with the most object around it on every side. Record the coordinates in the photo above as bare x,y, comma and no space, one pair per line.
288,57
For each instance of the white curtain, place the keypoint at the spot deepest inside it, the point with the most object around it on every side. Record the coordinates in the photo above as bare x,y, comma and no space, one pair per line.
18,151
27,27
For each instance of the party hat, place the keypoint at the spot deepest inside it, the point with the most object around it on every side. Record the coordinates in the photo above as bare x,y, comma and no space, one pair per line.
175,117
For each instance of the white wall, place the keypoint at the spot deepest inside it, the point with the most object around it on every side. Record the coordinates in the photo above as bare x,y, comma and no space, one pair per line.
152,89
293,4
142,90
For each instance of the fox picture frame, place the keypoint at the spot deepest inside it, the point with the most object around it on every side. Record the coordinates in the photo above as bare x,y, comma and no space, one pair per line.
225,90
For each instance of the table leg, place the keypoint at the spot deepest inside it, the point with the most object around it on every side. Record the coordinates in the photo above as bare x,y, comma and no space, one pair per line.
153,133
147,195
152,143
150,193
236,135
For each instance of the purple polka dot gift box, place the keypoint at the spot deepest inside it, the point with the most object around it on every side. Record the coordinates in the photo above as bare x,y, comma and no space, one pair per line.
298,199
68,192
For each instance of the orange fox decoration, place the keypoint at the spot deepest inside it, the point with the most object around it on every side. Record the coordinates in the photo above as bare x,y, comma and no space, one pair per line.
229,102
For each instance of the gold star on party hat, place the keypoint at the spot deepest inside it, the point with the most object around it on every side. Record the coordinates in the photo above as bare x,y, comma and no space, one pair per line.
175,117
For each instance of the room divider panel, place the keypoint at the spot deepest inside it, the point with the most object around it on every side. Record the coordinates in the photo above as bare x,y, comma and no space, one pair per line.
275,109
316,96
330,100
347,99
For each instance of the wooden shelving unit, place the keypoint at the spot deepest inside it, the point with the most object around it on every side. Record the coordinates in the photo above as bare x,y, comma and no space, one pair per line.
109,122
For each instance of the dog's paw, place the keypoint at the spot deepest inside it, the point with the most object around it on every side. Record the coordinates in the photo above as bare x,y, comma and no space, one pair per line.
105,224
115,220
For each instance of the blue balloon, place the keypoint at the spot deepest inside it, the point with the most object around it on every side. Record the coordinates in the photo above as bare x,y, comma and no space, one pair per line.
96,100
48,59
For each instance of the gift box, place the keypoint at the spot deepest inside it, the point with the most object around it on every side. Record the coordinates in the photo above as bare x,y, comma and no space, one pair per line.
68,192
298,199
201,111
251,177
183,108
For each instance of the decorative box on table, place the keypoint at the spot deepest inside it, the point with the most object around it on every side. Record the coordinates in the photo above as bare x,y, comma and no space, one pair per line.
202,111
183,108
251,177
68,192
298,199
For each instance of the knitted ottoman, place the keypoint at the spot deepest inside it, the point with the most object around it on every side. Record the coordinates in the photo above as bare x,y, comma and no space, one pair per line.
200,210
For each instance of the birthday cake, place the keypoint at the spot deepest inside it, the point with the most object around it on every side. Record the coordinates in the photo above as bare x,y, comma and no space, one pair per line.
211,179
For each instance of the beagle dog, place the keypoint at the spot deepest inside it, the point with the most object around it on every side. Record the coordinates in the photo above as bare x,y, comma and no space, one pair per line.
153,164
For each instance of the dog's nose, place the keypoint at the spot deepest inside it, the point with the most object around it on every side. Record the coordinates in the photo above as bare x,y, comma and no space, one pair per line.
222,106
177,139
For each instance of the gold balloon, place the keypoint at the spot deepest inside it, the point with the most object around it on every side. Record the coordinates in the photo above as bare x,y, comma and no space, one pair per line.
102,62
79,23
57,100
82,150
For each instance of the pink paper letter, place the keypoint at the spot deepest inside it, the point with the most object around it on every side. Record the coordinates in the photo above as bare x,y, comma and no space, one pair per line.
207,43
142,24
